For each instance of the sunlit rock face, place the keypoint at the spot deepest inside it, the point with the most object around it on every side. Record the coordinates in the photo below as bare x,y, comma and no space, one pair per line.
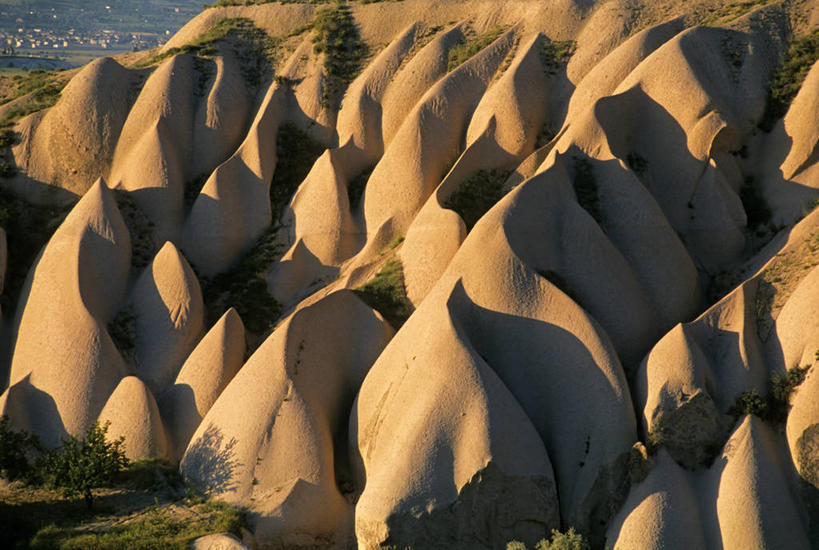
441,274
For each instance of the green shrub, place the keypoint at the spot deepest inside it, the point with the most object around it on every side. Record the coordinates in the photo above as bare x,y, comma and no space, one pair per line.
140,227
28,228
585,186
775,406
386,294
18,452
570,540
122,329
355,189
336,35
756,208
787,79
470,47
750,402
637,163
80,465
474,197
148,474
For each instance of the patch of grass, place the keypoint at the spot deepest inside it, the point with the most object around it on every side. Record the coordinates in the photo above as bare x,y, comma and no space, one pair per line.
470,46
43,89
223,3
386,294
255,49
158,528
336,35
555,54
474,197
585,186
727,12
143,511
780,278
28,228
296,152
787,79
244,287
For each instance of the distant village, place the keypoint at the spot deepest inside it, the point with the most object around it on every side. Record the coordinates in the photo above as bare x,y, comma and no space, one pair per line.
30,41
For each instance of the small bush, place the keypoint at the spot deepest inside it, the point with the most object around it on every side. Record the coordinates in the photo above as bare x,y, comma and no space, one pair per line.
756,208
750,403
471,46
122,330
585,186
28,228
18,452
570,540
775,406
149,475
78,466
386,294
475,196
355,189
296,152
140,227
637,163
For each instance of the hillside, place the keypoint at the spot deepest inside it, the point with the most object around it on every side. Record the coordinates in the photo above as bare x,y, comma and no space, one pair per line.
436,273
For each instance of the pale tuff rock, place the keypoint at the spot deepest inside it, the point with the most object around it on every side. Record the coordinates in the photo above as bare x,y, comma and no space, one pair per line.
206,372
133,414
153,153
234,206
73,143
502,131
169,317
62,347
466,451
428,140
505,405
283,452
